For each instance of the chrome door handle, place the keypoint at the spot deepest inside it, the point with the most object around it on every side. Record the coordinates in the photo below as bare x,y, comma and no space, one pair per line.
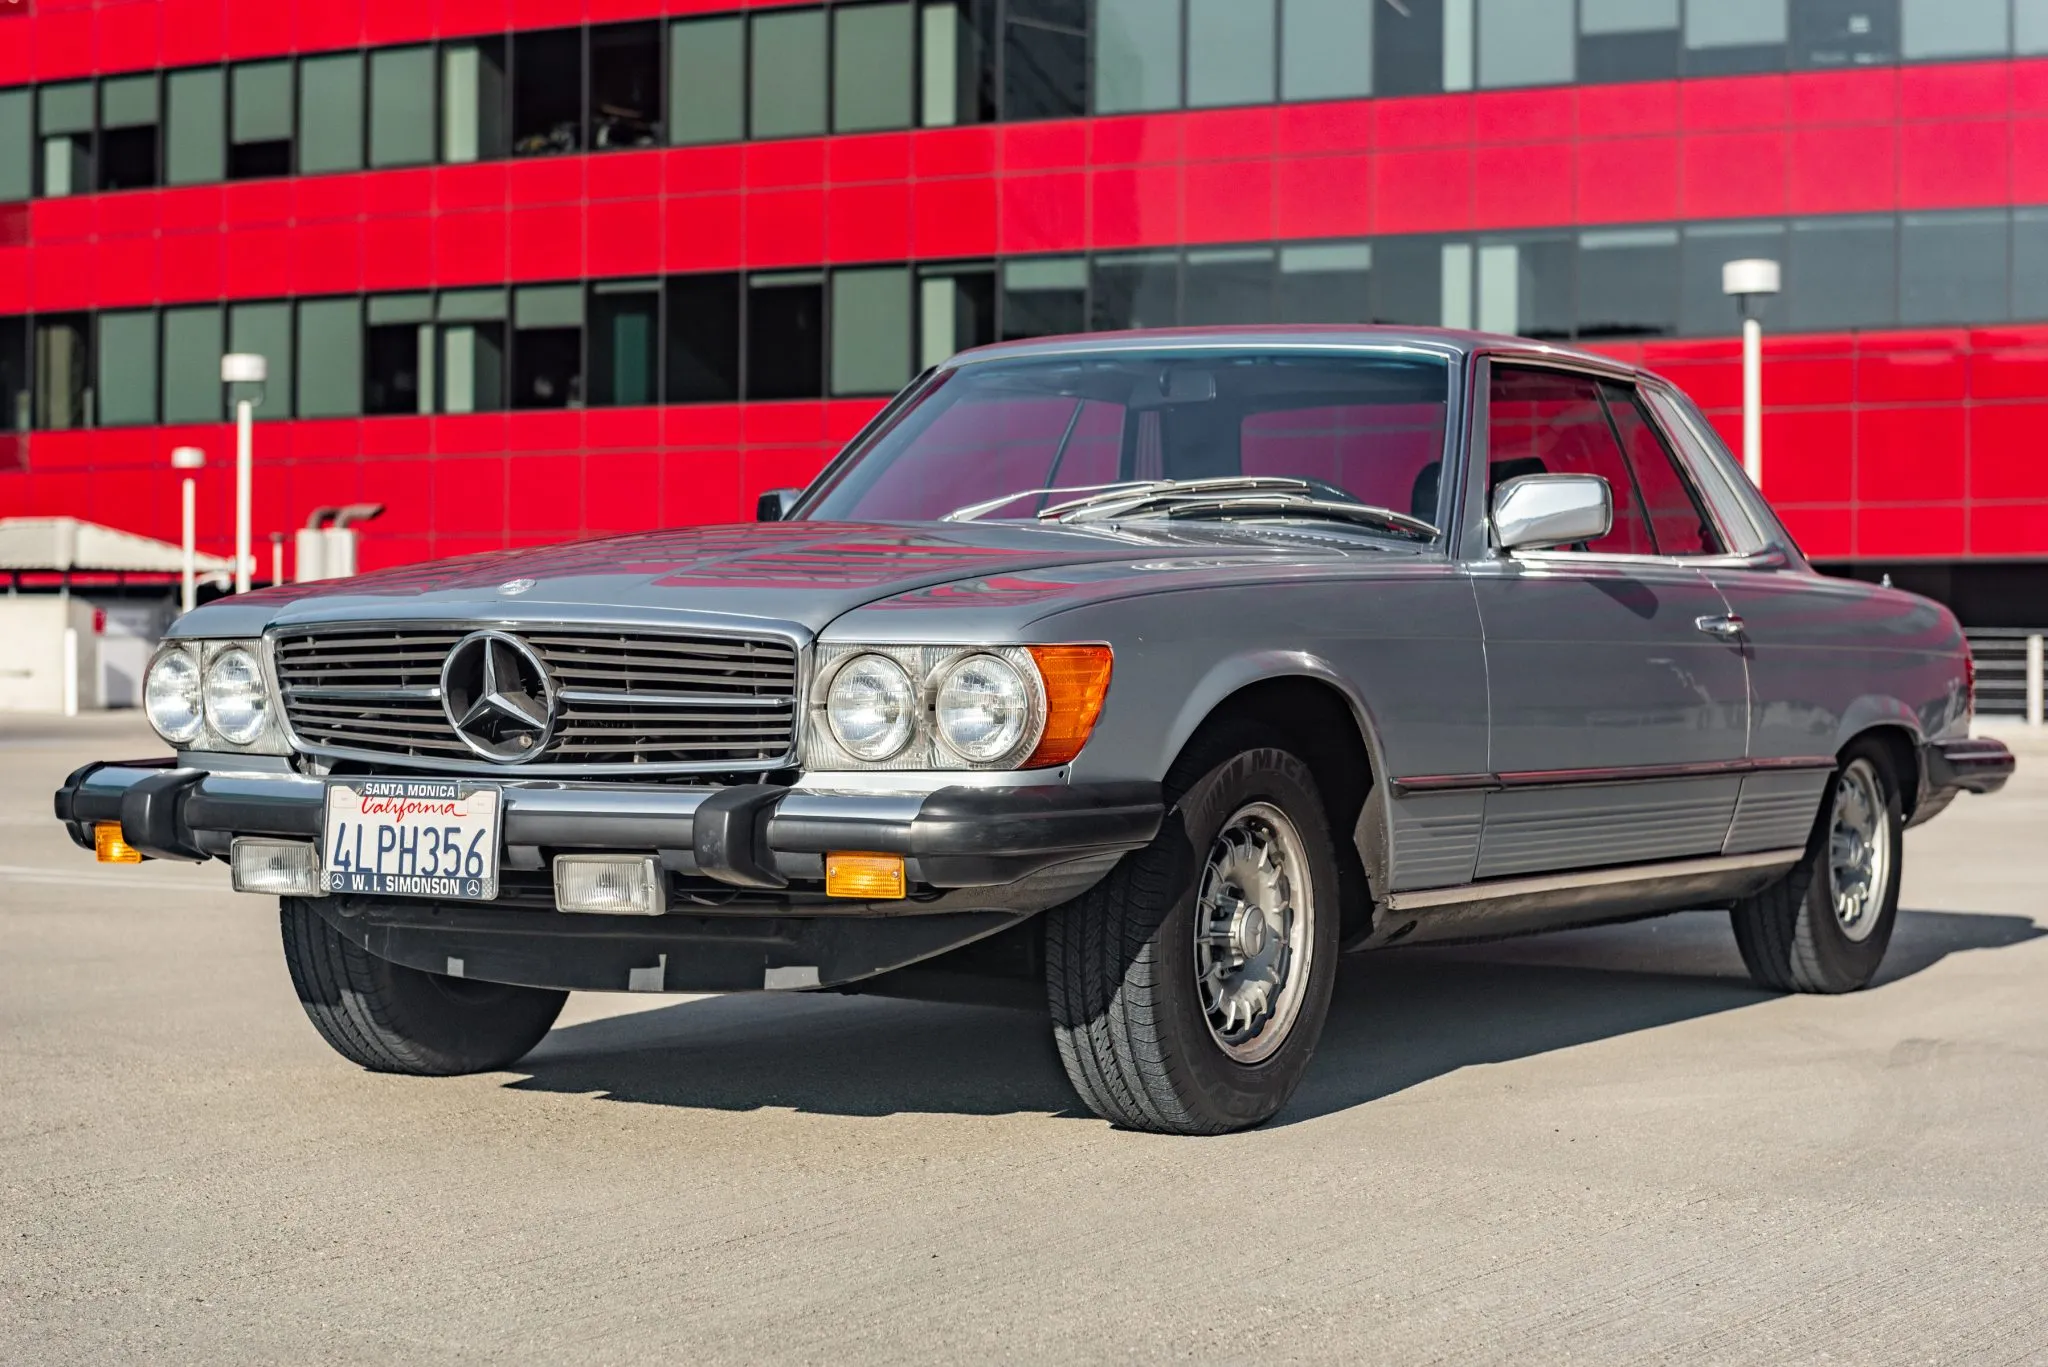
1727,628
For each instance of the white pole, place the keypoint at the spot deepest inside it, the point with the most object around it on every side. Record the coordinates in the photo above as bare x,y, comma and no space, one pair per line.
2034,680
276,559
245,560
71,671
191,596
1753,400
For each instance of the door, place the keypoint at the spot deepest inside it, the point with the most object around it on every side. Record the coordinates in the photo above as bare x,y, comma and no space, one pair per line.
1619,702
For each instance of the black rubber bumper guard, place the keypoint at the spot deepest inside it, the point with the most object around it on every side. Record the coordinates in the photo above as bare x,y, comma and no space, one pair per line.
748,836
1979,764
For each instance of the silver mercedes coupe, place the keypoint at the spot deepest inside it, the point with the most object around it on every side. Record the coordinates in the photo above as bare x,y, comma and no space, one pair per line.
1143,674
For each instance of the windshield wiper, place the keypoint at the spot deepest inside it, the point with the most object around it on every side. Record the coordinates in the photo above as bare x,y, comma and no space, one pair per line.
974,510
1235,497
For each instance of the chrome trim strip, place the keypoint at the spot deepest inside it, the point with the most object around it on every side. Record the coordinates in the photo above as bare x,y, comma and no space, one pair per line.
720,700
1632,773
1590,878
346,693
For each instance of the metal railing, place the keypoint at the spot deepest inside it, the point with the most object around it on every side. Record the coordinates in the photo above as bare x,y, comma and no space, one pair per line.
2009,672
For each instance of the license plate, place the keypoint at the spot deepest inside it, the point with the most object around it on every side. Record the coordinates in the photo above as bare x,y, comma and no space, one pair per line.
412,838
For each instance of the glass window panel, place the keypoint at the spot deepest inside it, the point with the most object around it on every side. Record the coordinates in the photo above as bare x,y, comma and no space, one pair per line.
956,309
1230,286
262,101
193,344
2029,26
63,373
401,308
1325,49
625,342
1045,297
1324,283
126,391
471,306
1952,268
870,330
2030,264
788,74
703,338
402,106
1458,44
1725,37
707,78
1140,290
1541,422
331,113
1407,282
872,83
957,80
1628,283
1838,33
1678,520
786,336
1954,28
195,150
65,108
17,144
330,355
15,409
547,92
468,368
625,86
547,306
1843,273
473,101
1525,42
547,346
1137,55
1231,52
398,349
265,329
1408,48
1526,288
127,101
1703,309
1045,59
1628,40
67,164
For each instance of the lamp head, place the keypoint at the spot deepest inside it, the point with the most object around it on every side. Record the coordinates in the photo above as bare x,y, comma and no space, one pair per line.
1751,276
243,367
188,458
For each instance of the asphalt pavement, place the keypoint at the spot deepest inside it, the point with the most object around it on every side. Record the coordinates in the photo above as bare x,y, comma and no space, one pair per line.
1598,1147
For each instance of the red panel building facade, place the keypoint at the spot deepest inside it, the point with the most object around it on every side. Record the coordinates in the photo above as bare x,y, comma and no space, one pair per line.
530,270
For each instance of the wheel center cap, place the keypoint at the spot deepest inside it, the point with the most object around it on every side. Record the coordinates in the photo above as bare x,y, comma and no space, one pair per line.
1248,931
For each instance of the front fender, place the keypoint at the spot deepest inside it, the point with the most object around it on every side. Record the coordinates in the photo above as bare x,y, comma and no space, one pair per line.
1236,672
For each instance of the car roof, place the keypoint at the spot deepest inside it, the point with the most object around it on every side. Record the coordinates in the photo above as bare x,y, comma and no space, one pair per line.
1315,336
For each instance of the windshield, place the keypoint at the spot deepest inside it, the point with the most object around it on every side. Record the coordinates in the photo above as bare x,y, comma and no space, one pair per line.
995,439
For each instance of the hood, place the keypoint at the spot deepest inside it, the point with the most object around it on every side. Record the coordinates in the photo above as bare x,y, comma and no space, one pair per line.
801,574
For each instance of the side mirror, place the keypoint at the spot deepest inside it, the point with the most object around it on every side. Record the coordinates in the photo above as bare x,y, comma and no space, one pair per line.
1552,510
774,505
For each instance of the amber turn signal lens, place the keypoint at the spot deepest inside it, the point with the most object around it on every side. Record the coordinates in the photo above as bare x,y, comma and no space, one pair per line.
1076,680
874,877
109,847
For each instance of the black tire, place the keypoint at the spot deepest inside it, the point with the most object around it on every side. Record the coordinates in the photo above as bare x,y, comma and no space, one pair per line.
1132,1028
393,1019
1789,934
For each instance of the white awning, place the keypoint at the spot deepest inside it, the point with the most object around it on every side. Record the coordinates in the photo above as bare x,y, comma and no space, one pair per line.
48,545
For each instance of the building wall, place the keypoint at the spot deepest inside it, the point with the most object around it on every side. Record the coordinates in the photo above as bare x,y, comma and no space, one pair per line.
1900,403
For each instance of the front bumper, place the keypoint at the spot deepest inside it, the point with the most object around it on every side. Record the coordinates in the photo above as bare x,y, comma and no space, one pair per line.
750,836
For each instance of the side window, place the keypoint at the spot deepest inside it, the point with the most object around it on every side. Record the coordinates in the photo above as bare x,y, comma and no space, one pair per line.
1544,422
1678,524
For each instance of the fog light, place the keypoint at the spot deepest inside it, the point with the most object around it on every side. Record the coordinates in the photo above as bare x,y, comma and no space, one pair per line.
109,847
610,884
875,877
276,868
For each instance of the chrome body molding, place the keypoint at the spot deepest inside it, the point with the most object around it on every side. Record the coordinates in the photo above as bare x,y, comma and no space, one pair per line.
1766,861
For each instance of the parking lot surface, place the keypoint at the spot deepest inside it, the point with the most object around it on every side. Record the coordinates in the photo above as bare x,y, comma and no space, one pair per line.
1602,1146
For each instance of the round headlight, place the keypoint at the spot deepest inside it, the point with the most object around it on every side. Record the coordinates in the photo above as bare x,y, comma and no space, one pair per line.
983,708
236,704
871,707
170,697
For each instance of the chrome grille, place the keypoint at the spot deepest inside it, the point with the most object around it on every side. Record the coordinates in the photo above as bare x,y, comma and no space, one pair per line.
625,698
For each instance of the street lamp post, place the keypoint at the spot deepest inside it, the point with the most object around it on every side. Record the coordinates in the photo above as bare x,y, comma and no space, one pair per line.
190,458
1748,281
243,368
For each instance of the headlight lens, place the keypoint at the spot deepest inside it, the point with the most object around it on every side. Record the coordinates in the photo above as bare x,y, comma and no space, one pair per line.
171,697
871,707
237,705
982,707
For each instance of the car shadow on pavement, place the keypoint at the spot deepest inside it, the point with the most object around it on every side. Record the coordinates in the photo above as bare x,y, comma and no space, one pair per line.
1400,1019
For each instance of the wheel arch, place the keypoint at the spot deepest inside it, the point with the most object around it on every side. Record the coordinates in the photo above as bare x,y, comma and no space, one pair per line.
1901,745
